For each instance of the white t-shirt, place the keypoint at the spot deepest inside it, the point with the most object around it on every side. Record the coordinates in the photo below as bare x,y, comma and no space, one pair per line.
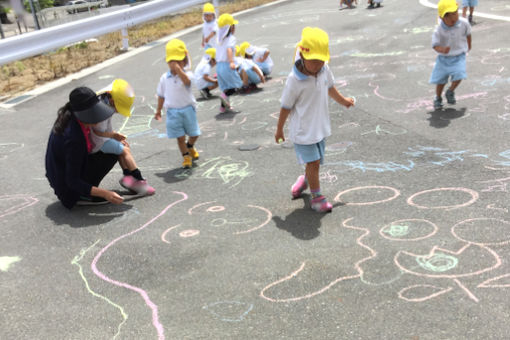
307,99
98,141
203,68
221,48
455,37
176,94
207,29
259,53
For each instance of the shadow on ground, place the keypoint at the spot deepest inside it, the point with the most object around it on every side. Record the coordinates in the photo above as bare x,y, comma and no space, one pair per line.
303,223
85,216
442,118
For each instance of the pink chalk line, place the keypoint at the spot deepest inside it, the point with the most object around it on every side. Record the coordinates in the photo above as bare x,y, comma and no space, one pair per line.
143,293
331,284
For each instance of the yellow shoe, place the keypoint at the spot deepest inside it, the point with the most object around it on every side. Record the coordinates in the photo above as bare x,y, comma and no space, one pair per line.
187,163
193,153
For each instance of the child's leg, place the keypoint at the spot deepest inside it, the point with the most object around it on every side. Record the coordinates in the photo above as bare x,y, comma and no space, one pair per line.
312,175
181,143
454,85
464,11
439,90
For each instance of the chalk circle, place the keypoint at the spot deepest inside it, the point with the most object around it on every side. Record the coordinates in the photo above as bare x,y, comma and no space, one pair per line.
216,208
438,263
408,230
189,233
253,126
248,147
396,193
472,193
487,231
218,222
338,146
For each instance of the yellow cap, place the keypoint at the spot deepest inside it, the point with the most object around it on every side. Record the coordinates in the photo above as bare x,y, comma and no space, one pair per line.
175,50
226,20
123,96
314,44
208,8
243,47
211,52
447,6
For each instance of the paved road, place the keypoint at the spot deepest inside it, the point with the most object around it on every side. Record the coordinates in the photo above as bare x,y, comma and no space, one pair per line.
417,246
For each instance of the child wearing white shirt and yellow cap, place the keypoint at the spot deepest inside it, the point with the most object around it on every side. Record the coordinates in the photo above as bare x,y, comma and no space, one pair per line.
305,102
176,98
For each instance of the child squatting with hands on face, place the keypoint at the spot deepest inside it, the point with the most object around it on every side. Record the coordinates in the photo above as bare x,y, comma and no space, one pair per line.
305,102
176,98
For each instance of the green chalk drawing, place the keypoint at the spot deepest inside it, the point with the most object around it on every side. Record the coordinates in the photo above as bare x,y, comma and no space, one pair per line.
439,262
7,261
75,261
397,230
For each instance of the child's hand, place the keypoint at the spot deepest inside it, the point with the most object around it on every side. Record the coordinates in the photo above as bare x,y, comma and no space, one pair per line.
118,136
157,116
279,137
174,66
349,102
232,65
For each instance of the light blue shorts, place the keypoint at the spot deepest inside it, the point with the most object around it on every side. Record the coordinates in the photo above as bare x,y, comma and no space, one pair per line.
182,121
446,67
264,67
209,84
253,77
228,78
469,3
310,152
112,146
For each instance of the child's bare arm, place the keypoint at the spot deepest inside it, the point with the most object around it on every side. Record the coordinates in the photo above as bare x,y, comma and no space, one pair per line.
442,49
258,71
161,101
469,42
177,69
209,79
110,134
339,98
209,36
279,136
230,56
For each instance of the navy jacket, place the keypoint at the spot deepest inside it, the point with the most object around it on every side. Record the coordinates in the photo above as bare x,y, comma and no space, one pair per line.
66,163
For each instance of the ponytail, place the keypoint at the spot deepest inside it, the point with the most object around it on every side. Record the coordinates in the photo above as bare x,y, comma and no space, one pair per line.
63,117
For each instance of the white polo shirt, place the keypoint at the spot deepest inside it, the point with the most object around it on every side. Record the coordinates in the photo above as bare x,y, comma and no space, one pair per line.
307,99
455,37
203,68
221,48
207,29
176,94
259,53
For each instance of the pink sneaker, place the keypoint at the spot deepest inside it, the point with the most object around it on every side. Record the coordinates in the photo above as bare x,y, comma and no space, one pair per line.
142,188
222,109
127,182
320,204
224,99
298,187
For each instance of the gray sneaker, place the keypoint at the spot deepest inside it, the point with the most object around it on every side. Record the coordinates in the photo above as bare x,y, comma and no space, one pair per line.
450,97
438,103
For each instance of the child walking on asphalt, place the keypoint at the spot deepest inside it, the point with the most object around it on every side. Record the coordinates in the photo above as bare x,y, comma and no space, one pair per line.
451,40
305,102
175,96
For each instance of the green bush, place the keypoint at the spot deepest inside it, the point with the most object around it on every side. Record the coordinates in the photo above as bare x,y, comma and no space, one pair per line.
42,4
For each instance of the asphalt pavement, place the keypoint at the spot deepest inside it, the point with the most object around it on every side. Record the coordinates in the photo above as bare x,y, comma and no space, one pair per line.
416,247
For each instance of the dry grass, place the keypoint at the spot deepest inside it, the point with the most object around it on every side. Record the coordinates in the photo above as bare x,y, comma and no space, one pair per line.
20,76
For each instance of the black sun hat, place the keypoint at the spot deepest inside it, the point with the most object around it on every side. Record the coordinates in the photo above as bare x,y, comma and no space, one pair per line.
87,107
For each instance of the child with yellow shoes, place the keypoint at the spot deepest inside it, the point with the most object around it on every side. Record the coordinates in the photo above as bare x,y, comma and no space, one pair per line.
120,96
176,98
305,102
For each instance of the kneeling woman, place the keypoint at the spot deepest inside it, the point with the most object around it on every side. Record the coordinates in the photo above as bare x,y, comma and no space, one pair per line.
73,173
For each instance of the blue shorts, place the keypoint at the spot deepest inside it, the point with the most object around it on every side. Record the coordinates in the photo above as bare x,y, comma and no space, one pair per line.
264,67
307,153
253,77
469,3
228,78
446,67
182,121
112,146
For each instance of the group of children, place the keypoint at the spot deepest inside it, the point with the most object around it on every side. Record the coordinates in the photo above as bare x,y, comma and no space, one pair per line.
304,100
